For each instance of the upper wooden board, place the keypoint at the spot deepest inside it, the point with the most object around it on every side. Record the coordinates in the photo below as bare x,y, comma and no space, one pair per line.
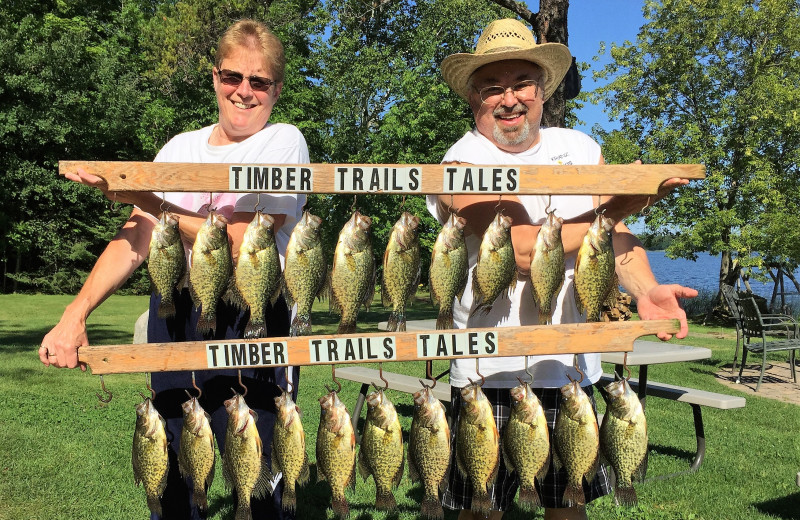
404,179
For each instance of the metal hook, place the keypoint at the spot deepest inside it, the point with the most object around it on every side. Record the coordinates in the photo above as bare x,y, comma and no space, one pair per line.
450,207
163,201
244,394
333,375
353,205
602,212
477,371
380,374
402,203
105,391
626,367
194,384
429,373
549,200
258,202
147,379
499,201
528,369
576,367
646,206
289,386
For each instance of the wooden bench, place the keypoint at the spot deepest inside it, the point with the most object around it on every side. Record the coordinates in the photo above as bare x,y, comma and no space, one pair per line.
694,397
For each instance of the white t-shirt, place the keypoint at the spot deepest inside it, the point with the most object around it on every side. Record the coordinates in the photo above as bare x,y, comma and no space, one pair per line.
556,146
276,143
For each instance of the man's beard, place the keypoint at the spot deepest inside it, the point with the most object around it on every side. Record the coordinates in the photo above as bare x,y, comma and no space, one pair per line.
504,139
522,134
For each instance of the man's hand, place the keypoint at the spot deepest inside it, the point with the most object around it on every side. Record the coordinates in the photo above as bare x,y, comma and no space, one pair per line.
60,346
662,303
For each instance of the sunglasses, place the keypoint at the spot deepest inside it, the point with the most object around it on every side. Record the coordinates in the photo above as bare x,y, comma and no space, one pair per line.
234,79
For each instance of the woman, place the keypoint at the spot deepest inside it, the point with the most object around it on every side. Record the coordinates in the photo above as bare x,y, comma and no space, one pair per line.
248,77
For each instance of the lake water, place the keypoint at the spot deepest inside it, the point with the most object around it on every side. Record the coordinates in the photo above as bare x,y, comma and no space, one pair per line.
703,274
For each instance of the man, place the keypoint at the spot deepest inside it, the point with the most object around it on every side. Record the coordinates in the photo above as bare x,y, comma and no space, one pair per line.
506,82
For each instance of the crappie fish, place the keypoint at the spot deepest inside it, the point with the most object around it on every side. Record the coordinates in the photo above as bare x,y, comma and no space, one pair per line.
305,272
496,269
336,451
211,269
577,442
258,273
353,275
243,467
196,456
401,269
547,266
289,449
477,446
526,444
594,268
166,262
381,453
149,455
429,450
623,439
449,269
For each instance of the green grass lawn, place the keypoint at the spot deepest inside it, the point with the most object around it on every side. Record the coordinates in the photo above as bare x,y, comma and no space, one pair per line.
65,455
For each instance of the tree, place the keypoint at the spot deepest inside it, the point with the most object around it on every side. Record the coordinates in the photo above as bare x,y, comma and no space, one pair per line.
716,82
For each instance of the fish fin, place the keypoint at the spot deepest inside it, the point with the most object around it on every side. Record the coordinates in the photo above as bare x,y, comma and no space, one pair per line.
351,480
493,474
529,498
369,294
243,512
592,471
481,502
166,307
363,467
325,290
154,505
543,470
207,322
640,470
287,294
339,506
276,293
573,496
625,495
346,328
275,465
301,325
462,469
264,480
289,498
444,320
200,499
477,298
432,508
507,459
385,501
555,460
305,472
255,328
399,475
413,472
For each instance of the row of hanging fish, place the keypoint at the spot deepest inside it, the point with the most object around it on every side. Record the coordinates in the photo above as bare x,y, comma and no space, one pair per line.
244,468
257,278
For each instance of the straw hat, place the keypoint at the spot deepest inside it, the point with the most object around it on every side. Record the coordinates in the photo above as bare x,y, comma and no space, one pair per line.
507,39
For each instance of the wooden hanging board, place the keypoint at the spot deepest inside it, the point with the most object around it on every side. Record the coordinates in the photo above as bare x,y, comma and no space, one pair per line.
572,338
408,179
405,179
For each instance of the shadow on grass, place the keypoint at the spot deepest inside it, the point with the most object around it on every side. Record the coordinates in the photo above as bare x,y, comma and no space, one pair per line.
787,507
24,339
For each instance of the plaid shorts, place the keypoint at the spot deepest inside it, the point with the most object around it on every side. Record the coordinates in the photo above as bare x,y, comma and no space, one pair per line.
458,494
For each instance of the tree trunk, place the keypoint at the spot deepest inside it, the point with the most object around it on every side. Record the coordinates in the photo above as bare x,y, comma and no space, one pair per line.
549,25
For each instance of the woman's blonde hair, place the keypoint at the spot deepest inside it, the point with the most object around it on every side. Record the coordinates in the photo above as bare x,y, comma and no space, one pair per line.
253,34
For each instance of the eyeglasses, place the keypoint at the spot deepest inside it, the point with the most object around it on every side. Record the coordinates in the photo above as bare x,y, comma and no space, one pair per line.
523,91
234,79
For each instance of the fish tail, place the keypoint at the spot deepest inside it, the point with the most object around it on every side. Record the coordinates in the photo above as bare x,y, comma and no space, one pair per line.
481,503
432,508
201,499
154,505
625,495
339,506
301,325
243,512
255,329
346,327
206,323
573,495
166,308
397,322
529,497
289,499
445,319
384,500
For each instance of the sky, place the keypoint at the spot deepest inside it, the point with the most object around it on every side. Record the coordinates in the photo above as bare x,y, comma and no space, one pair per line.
590,22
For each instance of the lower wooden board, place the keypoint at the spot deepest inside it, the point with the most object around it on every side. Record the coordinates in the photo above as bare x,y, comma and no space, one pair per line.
575,338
